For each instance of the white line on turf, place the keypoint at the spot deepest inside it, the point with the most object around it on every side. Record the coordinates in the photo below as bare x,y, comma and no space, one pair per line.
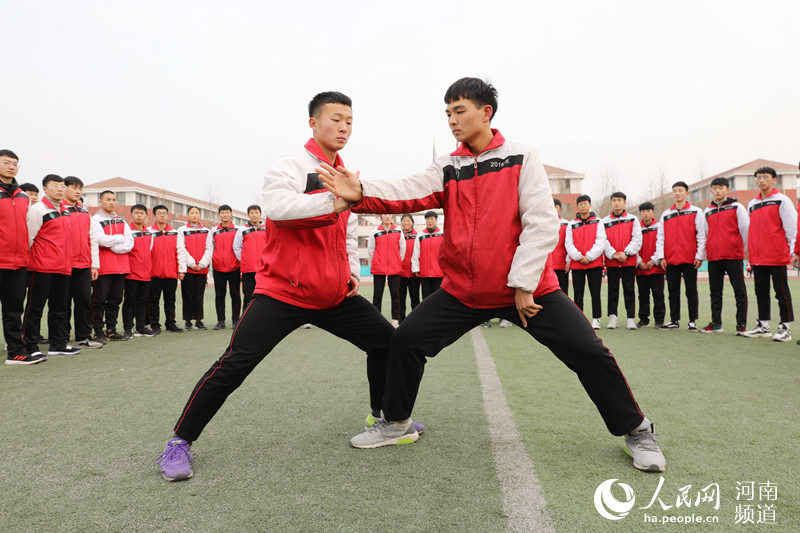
522,497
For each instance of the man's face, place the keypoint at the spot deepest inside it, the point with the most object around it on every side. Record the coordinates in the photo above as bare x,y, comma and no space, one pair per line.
109,202
430,222
466,120
679,194
558,210
55,190
719,192
73,193
255,216
139,217
332,126
618,205
387,220
161,216
647,215
194,216
584,208
225,216
407,224
765,181
8,167
34,196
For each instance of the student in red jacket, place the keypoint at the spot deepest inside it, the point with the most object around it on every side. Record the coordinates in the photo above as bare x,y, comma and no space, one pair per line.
728,222
409,283
14,205
32,191
386,247
226,267
559,259
770,242
425,258
50,263
85,263
196,242
489,183
137,283
623,242
585,242
169,265
649,274
248,246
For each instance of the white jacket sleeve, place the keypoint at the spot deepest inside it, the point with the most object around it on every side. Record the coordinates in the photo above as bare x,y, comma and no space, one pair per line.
34,219
789,221
105,240
371,246
402,247
238,241
415,256
659,254
284,198
209,253
743,218
539,221
180,245
569,244
600,241
188,260
701,231
418,192
352,245
127,242
636,239
93,246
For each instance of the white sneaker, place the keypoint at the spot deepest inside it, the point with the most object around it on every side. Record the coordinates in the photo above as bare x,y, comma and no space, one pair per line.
596,323
505,323
761,330
305,326
384,433
612,322
783,334
642,446
632,324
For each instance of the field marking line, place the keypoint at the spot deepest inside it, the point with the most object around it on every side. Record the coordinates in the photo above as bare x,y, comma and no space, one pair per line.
523,502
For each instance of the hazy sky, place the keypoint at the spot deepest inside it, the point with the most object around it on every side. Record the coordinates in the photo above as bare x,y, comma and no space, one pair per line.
201,97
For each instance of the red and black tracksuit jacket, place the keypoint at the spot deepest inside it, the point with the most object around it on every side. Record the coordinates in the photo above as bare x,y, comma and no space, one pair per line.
386,258
648,250
429,244
558,257
164,253
223,259
727,225
13,227
140,258
51,250
773,229
411,239
254,238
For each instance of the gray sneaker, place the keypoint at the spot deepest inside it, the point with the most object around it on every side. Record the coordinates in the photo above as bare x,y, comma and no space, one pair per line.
642,446
384,433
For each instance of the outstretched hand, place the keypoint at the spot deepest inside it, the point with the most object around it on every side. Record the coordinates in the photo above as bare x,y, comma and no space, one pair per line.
340,182
526,306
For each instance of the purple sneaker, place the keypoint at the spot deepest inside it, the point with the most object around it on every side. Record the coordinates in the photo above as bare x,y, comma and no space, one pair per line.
419,427
176,461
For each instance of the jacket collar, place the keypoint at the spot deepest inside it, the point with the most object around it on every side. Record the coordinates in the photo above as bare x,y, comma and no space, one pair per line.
624,213
687,205
434,230
497,141
727,201
774,191
316,151
384,228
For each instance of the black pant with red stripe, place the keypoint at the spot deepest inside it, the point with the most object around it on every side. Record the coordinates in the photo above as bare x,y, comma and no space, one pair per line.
222,282
248,286
595,278
52,289
80,295
106,299
688,272
716,278
563,280
134,306
167,287
264,324
780,282
410,286
378,283
429,285
12,300
627,275
651,284
441,319
193,288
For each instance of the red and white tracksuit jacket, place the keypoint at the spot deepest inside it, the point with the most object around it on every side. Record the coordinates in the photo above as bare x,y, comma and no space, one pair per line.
682,235
311,251
115,241
411,239
505,186
386,248
196,242
773,229
168,258
13,227
648,249
222,258
49,237
248,245
623,234
727,226
586,237
425,257
85,251
140,257
558,257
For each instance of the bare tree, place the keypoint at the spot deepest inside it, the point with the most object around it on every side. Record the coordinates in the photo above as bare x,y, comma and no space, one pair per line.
607,186
213,191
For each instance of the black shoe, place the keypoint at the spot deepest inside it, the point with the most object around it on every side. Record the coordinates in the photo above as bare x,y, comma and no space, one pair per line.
25,359
188,325
174,329
670,325
220,325
66,350
144,332
112,335
486,324
100,336
199,324
41,340
128,333
643,324
156,330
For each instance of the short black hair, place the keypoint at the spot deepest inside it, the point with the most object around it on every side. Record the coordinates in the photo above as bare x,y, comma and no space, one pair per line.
52,177
140,207
618,194
557,202
680,184
159,207
720,181
407,216
433,214
106,192
72,180
193,207
29,187
766,170
254,207
475,90
583,198
327,97
224,207
647,205
9,153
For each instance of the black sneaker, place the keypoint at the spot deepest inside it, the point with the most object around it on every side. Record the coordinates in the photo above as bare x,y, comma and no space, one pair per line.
220,325
670,325
128,333
188,325
199,324
89,343
486,324
144,332
174,329
67,350
643,324
112,335
25,359
156,330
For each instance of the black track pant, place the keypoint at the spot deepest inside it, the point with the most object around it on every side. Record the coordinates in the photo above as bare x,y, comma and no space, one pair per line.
716,277
429,286
12,300
651,284
106,299
222,282
379,280
595,278
264,324
248,286
134,306
780,283
166,287
563,280
689,275
410,285
193,288
80,292
628,277
52,289
441,319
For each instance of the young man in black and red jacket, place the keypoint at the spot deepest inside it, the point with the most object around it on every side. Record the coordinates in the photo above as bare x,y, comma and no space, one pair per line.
585,243
425,257
14,205
169,265
248,246
226,267
409,283
559,258
386,247
137,282
649,274
623,242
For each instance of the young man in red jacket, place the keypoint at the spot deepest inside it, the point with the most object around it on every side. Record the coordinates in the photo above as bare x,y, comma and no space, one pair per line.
309,273
425,257
50,264
31,190
169,265
649,274
559,259
137,283
14,205
680,250
585,242
489,274
226,267
770,242
386,247
409,283
85,263
728,222
624,240
248,246
196,242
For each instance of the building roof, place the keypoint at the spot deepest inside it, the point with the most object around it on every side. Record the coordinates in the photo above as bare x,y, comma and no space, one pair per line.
560,171
754,165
